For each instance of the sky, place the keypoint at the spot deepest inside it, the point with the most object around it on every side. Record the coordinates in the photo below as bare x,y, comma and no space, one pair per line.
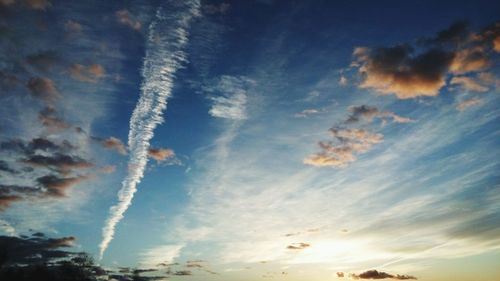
255,140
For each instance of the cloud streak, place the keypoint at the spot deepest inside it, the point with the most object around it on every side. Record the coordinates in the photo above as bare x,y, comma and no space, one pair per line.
168,36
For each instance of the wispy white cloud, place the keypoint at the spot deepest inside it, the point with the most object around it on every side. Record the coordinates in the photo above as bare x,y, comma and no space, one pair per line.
230,98
168,35
165,254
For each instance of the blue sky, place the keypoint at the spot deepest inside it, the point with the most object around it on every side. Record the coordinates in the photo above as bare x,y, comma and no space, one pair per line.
266,139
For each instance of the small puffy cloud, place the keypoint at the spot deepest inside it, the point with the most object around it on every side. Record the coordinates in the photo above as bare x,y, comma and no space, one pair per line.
126,18
466,104
340,152
298,246
469,84
43,88
374,274
340,274
370,112
72,26
399,71
113,143
90,73
161,154
307,112
343,81
56,186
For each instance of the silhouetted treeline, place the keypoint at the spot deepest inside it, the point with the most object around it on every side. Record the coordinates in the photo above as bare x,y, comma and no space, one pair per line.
38,258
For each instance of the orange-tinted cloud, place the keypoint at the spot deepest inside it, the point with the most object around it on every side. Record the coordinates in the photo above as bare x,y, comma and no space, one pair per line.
126,18
6,200
399,71
161,154
470,60
90,73
113,144
340,152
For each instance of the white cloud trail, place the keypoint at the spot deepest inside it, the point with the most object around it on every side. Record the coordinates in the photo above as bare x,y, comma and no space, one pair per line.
167,39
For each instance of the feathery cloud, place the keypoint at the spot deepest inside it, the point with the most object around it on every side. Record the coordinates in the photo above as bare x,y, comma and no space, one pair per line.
167,38
232,98
466,104
468,84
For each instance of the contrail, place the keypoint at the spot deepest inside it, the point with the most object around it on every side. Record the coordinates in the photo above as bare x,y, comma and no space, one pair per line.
167,38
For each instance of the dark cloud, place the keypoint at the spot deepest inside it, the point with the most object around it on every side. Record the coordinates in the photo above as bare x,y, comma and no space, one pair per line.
56,186
410,72
368,113
374,274
401,71
37,249
43,61
61,162
43,88
456,33
298,246
182,273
